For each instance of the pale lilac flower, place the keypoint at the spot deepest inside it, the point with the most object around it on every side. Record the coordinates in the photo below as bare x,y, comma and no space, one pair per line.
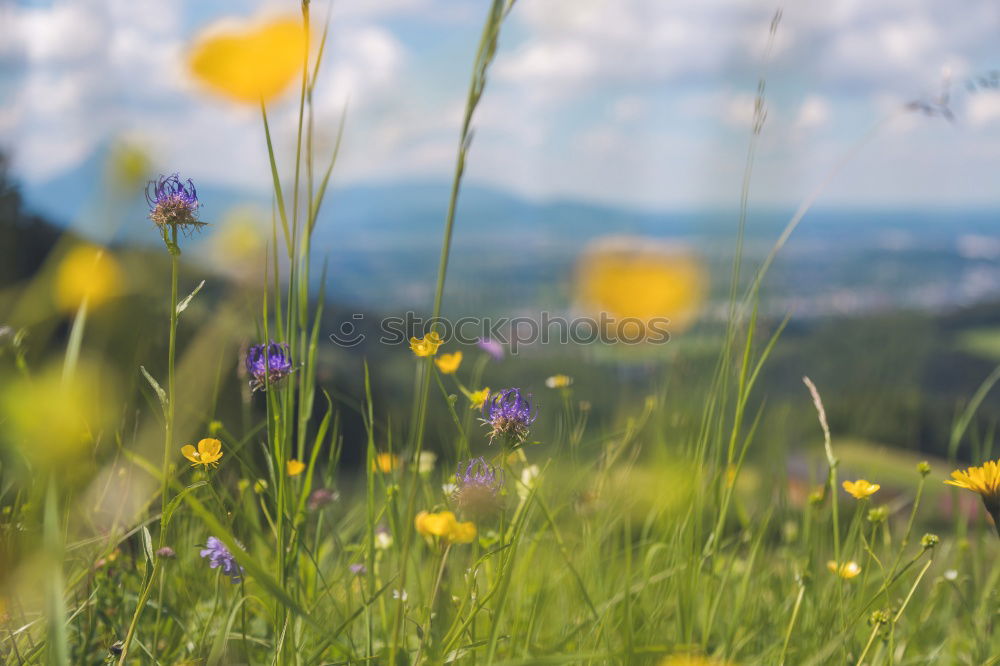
219,556
491,347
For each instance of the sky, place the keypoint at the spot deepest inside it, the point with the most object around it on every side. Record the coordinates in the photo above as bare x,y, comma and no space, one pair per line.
639,103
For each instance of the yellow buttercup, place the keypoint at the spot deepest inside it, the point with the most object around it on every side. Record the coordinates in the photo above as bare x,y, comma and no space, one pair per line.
209,452
252,64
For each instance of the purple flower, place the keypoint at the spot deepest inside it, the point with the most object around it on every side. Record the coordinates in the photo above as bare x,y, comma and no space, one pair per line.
321,497
478,488
219,556
268,364
173,202
509,414
358,569
166,552
491,347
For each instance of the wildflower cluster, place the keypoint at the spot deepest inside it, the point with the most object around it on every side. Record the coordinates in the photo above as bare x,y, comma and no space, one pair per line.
509,414
173,203
268,364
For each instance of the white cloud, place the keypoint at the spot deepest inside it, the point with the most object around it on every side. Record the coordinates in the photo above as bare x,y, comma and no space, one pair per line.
984,108
605,99
813,112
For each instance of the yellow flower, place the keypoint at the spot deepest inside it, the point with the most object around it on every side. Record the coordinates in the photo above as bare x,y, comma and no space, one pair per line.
86,273
651,289
252,63
861,489
847,570
426,346
445,526
478,398
559,381
434,524
295,467
209,452
463,533
984,480
448,363
385,462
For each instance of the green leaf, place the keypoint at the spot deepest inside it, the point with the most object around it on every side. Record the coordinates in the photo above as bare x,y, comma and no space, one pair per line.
160,393
168,514
182,306
147,545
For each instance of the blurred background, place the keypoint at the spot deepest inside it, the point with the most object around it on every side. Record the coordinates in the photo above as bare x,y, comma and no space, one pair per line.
602,118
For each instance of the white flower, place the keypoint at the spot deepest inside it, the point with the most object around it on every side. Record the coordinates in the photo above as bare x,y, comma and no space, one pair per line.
528,476
383,540
396,594
559,381
425,462
449,489
951,575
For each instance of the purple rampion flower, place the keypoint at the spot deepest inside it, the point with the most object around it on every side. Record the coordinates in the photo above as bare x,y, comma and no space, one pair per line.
509,414
173,202
219,556
268,364
321,497
478,488
491,347
358,569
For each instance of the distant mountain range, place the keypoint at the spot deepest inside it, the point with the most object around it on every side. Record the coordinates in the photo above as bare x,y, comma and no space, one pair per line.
382,241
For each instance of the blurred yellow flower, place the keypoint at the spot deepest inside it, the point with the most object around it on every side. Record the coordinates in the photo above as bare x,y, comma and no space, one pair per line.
51,419
463,533
732,471
984,480
129,165
847,570
861,489
478,398
250,63
295,467
559,381
648,288
239,246
445,525
209,452
426,346
385,462
87,273
448,363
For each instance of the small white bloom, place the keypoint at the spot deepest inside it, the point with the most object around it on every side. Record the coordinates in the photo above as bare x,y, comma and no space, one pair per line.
425,462
449,488
528,476
396,594
383,540
951,575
